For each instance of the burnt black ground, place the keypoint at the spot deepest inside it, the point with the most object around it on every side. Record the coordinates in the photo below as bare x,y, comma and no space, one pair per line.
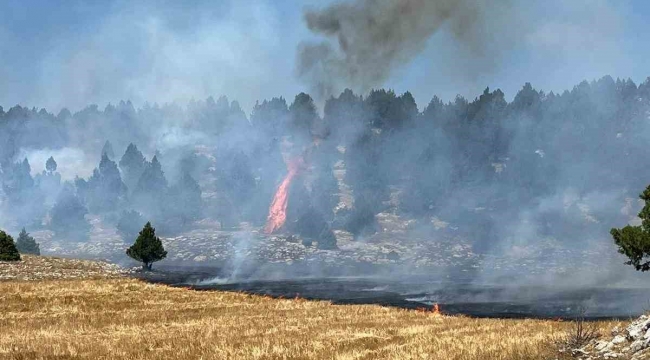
458,297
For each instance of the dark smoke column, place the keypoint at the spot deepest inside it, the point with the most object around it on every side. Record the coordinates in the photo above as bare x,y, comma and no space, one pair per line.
367,39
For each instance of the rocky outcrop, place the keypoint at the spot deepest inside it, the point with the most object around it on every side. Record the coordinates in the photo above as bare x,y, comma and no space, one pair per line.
633,342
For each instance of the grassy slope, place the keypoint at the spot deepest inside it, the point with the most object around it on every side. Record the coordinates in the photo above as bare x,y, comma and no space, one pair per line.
129,319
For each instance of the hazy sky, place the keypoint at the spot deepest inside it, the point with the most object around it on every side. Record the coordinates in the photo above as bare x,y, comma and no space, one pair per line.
73,53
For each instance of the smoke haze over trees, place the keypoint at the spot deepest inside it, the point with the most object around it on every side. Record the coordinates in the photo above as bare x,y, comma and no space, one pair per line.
545,165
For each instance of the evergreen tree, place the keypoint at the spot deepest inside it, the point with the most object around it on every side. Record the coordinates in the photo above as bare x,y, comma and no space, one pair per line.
236,177
312,226
270,116
50,165
236,185
634,241
389,111
345,117
8,251
152,179
26,244
108,150
368,181
151,191
133,165
184,204
50,180
147,248
303,116
324,190
68,214
23,197
188,192
105,189
18,179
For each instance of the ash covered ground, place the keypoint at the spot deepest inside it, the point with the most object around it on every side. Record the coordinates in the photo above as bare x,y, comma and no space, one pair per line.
393,267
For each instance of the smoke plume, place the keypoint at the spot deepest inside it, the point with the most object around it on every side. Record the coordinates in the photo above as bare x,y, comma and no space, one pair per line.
368,39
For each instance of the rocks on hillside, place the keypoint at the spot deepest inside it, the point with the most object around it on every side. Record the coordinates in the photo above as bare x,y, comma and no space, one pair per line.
51,268
631,343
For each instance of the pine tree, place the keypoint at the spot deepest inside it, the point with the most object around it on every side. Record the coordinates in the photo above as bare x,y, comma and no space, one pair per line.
151,191
105,189
22,194
8,251
184,203
147,248
133,165
325,190
270,116
235,178
634,241
108,150
26,244
51,165
303,117
68,214
152,179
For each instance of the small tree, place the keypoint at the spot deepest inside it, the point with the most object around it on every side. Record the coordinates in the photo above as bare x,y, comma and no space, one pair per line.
634,241
51,165
26,244
8,251
147,248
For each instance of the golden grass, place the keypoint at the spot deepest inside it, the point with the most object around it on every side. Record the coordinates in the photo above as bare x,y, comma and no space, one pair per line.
130,319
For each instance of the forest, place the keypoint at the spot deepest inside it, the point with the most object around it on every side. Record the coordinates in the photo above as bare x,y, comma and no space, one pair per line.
562,165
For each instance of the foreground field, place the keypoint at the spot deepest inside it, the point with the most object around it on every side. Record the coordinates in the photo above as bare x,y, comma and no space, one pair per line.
130,319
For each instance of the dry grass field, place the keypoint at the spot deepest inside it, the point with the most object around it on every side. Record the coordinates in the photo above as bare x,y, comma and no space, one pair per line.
123,318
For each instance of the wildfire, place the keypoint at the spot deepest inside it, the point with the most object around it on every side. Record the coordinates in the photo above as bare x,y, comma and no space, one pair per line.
278,208
436,309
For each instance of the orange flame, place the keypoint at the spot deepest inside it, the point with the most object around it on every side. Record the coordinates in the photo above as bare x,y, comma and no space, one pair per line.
436,309
278,210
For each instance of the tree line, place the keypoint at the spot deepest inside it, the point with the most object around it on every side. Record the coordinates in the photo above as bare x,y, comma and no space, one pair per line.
484,163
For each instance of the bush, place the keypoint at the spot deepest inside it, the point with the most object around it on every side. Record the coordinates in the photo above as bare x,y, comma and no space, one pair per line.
579,335
8,251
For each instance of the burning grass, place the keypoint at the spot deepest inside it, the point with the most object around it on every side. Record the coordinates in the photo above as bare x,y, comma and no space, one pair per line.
130,319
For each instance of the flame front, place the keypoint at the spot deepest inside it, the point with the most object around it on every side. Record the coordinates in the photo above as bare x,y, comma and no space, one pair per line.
278,209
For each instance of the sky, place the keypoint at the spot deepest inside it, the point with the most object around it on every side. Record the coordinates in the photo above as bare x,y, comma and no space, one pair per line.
57,54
